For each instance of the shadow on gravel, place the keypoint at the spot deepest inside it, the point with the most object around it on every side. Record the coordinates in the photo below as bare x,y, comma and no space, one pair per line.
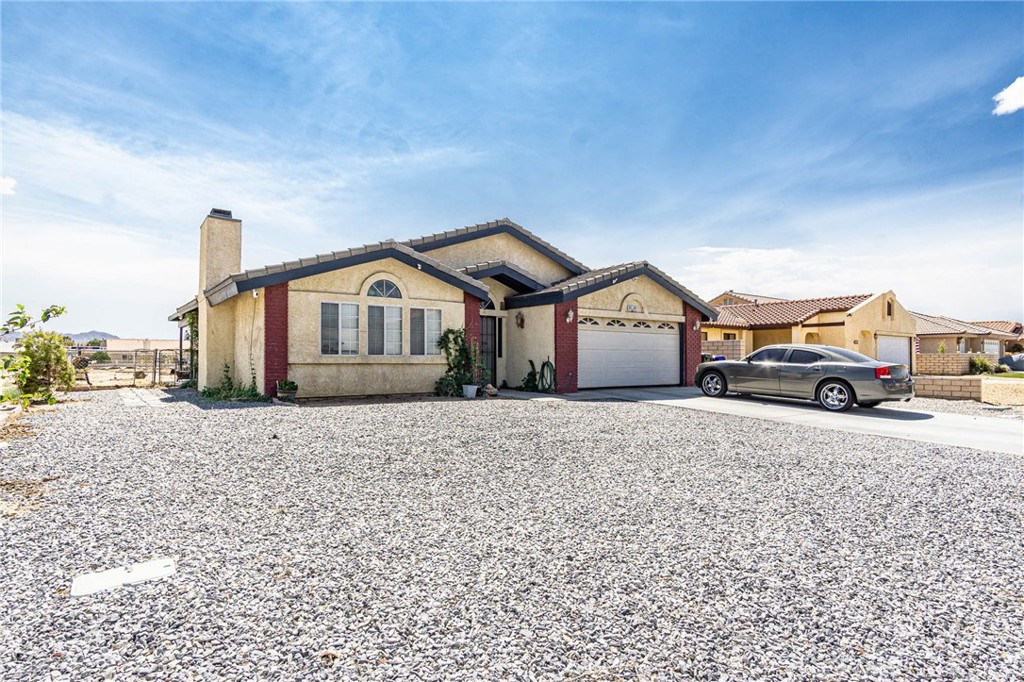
192,397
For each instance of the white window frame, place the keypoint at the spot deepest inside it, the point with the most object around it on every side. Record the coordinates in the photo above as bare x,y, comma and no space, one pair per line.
428,348
342,352
401,341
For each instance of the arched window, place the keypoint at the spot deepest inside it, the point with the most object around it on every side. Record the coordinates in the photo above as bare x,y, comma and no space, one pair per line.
666,325
588,321
641,325
615,323
382,288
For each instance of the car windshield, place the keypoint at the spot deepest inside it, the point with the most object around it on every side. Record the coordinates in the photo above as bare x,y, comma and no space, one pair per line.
851,355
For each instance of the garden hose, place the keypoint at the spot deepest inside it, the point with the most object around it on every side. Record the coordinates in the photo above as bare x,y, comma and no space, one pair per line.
546,380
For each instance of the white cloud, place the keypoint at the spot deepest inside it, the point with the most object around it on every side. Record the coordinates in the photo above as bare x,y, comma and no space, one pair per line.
113,233
1011,99
927,276
7,186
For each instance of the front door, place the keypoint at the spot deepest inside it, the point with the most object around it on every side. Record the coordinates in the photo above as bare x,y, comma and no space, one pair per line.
489,347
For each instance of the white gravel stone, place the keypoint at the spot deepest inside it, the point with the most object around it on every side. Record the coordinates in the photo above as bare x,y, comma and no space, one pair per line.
512,540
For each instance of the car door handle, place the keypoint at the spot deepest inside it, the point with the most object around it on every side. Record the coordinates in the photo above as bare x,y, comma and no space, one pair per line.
815,368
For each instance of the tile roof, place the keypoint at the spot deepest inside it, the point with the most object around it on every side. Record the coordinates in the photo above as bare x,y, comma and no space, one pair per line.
440,239
752,298
940,325
1005,326
783,313
594,279
304,267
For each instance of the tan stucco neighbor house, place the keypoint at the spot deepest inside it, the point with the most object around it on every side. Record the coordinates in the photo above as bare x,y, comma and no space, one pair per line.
1013,329
365,321
938,333
873,324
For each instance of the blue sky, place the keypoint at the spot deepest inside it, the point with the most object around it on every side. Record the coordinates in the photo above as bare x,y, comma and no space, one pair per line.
787,149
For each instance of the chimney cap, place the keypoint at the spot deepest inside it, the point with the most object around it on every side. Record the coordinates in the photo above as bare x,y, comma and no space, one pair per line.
220,213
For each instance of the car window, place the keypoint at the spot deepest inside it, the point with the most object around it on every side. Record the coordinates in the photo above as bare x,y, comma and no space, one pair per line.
799,356
851,355
769,355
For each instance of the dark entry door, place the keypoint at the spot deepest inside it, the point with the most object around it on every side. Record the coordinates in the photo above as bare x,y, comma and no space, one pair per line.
489,347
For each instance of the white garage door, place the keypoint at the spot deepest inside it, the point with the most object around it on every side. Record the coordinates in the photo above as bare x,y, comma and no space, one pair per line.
894,349
620,357
992,347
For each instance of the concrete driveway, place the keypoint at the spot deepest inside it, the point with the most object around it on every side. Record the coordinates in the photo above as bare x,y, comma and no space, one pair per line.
983,433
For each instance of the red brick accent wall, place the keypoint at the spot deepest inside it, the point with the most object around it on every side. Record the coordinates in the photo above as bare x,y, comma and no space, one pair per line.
472,304
691,345
567,347
275,336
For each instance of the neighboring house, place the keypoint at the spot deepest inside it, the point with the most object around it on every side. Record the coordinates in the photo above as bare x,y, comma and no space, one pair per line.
127,350
365,321
940,334
1015,329
873,324
736,298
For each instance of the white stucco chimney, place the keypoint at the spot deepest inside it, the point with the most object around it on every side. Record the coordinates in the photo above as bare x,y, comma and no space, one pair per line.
220,247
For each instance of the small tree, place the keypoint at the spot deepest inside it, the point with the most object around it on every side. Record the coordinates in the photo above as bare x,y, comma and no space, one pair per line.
47,365
41,363
96,343
100,356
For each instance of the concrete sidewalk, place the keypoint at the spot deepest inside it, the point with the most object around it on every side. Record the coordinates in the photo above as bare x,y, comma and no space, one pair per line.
982,433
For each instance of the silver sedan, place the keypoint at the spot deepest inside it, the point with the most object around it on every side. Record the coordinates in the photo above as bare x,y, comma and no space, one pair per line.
836,378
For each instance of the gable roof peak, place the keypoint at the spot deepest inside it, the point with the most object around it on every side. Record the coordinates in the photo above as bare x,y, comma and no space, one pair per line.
480,230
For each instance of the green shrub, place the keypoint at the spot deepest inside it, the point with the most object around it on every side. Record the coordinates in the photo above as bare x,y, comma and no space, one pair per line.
227,390
100,356
42,365
1017,348
1001,369
980,366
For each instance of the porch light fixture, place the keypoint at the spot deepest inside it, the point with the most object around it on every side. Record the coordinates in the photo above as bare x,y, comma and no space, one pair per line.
569,316
696,325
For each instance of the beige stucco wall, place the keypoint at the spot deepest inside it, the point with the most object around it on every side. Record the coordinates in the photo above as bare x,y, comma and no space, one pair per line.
339,375
220,250
534,341
249,339
652,300
216,341
220,254
767,337
501,247
869,320
142,344
718,334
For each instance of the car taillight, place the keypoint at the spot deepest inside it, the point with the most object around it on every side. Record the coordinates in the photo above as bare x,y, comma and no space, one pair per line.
882,373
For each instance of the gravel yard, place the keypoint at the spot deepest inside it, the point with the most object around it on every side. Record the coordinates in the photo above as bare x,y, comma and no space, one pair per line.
501,539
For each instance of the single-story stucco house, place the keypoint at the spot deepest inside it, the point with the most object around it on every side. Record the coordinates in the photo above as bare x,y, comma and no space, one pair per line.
876,325
938,333
365,321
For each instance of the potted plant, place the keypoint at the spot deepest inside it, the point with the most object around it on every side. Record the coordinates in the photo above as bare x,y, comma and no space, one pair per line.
286,389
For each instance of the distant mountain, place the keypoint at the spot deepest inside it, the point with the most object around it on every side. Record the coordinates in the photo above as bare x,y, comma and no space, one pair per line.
85,337
79,339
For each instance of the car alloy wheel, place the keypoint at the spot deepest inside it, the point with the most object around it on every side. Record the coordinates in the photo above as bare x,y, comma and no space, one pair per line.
713,384
835,396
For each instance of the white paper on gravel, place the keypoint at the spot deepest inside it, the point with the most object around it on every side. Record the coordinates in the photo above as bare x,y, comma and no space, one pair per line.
89,583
